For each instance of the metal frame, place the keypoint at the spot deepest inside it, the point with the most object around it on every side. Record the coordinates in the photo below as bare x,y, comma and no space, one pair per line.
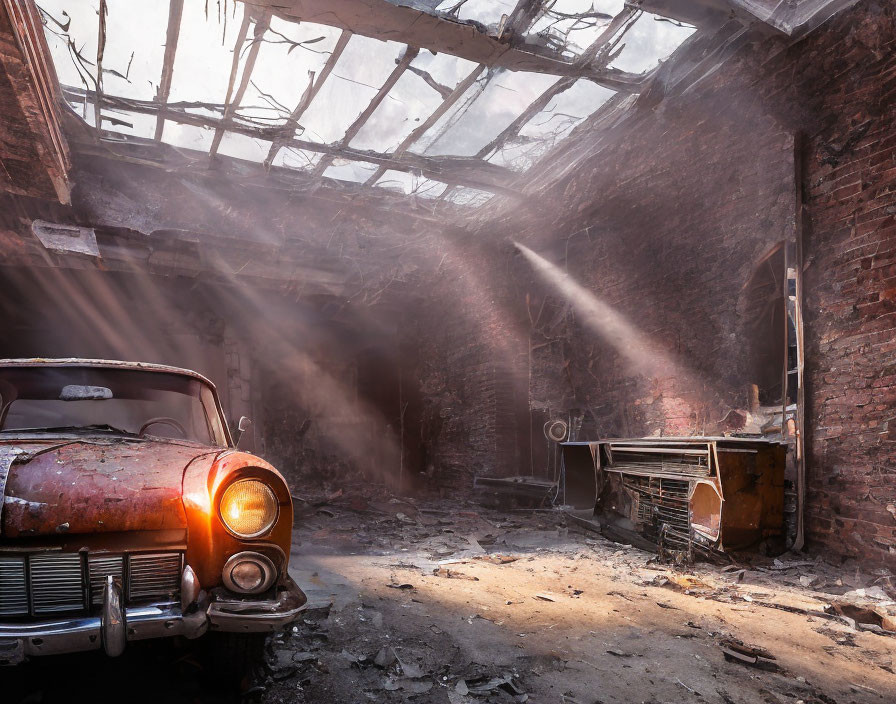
383,20
136,366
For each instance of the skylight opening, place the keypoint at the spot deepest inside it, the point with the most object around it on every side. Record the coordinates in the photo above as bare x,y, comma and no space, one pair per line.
411,184
205,50
357,77
346,170
289,53
464,132
648,41
410,102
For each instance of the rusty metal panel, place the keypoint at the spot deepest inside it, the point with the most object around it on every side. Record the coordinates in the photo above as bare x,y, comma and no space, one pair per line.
681,494
96,486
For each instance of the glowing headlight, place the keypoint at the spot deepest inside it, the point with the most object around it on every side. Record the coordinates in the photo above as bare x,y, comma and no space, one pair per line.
248,508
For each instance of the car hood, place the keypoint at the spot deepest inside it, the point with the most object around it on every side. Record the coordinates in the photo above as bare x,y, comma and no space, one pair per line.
57,486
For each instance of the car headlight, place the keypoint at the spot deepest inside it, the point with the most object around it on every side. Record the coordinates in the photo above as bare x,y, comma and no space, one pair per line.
248,508
249,573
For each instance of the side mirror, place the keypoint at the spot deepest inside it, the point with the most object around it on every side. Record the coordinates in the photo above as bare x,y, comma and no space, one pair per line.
247,437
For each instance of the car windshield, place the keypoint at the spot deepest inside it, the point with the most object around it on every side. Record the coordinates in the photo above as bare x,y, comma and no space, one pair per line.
91,400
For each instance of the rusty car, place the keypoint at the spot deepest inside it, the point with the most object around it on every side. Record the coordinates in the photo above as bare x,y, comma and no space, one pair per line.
127,512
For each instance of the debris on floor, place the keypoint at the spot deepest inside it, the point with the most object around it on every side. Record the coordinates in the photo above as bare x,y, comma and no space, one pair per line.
451,603
477,605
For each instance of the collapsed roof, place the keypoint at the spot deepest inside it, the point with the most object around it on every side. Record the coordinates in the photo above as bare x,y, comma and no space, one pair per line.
455,107
194,121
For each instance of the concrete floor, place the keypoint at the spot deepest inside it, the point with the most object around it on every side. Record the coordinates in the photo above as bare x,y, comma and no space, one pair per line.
454,603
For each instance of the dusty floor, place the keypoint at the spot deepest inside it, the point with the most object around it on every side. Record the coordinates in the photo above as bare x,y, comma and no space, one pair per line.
455,603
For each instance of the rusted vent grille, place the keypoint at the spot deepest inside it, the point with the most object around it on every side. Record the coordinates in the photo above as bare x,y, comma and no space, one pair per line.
647,460
661,501
40,584
155,576
100,567
56,583
13,594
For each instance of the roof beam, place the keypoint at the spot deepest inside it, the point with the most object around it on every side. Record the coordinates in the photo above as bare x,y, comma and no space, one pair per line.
409,55
523,16
534,108
424,126
310,93
100,50
387,21
464,171
599,51
233,100
175,13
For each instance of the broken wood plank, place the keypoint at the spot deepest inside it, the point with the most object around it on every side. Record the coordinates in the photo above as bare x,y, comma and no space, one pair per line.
442,33
175,13
463,171
233,100
310,93
409,55
100,50
437,114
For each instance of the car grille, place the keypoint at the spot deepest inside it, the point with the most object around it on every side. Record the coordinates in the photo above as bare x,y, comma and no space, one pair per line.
662,502
41,584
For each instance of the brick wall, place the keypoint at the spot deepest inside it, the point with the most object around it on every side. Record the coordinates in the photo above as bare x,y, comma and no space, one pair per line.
850,182
666,224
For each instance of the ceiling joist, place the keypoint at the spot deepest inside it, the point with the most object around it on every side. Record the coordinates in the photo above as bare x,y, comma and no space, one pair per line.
410,54
462,171
387,21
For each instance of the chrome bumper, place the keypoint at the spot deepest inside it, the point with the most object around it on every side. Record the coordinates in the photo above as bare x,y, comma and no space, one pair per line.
113,628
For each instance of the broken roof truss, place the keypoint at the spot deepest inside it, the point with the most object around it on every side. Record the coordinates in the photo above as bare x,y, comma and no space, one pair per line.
445,100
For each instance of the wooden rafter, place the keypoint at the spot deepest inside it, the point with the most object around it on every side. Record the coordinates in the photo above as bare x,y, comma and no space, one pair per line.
465,171
424,126
100,50
409,55
523,16
175,14
233,99
310,93
391,21
600,52
539,104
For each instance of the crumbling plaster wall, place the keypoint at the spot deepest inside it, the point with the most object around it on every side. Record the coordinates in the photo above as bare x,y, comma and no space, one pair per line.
666,224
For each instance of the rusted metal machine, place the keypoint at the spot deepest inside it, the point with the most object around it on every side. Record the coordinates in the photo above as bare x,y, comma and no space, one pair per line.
679,494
